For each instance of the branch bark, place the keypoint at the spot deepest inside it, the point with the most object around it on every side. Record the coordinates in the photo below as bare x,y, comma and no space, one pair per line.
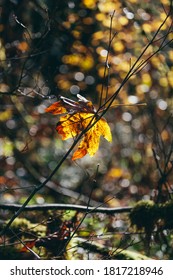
56,206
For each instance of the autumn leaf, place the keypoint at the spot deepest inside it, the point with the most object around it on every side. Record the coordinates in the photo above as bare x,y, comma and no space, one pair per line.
56,108
79,116
28,245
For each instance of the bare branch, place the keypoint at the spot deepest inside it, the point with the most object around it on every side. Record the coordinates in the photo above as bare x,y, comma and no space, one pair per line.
56,206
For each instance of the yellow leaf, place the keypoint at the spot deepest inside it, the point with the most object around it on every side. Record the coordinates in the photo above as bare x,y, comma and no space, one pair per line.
69,126
91,139
80,116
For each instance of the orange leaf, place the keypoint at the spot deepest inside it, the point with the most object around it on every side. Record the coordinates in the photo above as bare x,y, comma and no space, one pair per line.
29,244
56,108
80,115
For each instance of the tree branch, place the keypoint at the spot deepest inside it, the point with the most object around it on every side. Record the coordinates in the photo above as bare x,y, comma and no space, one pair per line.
56,206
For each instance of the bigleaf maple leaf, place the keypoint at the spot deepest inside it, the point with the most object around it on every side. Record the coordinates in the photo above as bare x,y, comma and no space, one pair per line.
79,116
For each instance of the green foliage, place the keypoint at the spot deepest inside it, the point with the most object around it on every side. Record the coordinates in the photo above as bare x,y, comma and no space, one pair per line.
23,224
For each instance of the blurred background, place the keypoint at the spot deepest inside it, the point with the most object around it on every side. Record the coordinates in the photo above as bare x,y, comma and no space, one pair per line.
54,48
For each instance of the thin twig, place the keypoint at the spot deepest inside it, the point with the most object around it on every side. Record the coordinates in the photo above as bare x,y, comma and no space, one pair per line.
23,243
106,68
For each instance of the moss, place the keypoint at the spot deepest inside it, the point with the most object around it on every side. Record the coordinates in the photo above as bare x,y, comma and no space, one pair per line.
144,215
129,255
25,225
166,214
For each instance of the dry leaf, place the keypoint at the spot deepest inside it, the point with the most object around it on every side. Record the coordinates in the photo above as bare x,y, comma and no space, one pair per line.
79,116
